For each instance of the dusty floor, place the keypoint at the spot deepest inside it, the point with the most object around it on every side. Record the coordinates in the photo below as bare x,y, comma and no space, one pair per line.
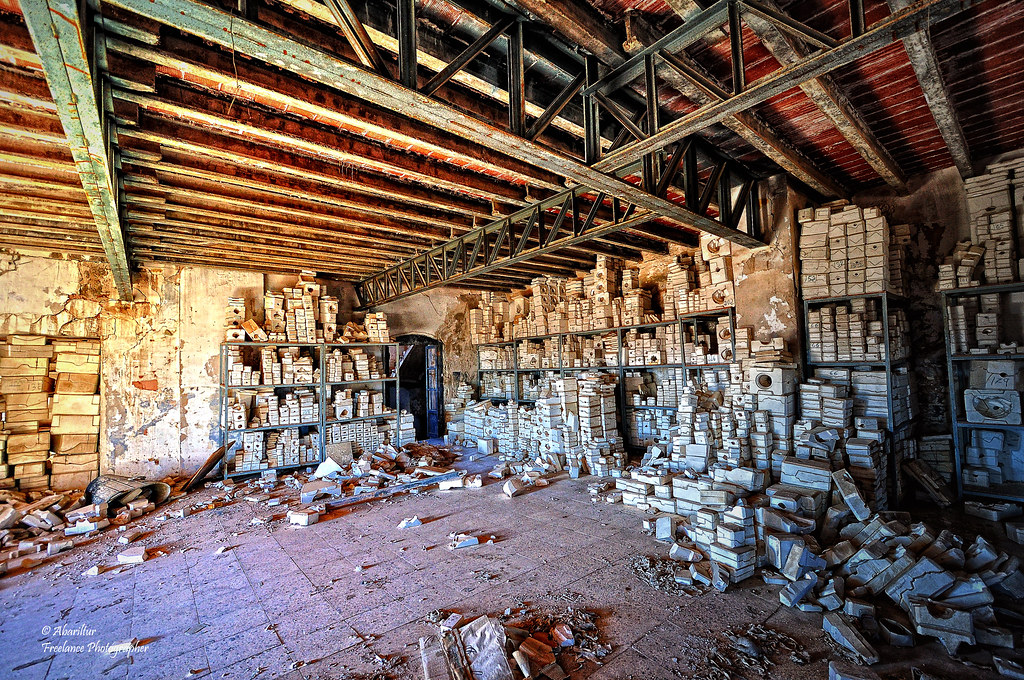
289,602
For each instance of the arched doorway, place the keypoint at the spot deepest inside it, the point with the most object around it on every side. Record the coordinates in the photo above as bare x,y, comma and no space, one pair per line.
420,383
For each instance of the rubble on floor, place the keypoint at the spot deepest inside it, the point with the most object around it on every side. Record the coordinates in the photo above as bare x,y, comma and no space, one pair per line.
749,653
665,575
874,576
374,474
36,526
518,644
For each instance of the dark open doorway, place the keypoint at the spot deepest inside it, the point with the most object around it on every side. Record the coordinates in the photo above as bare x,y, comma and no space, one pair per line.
420,383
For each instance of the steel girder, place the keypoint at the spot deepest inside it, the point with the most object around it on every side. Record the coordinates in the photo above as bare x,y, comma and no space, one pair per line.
63,44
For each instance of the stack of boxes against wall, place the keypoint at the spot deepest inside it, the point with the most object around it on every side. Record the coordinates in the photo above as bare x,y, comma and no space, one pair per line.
574,414
51,412
751,452
847,251
305,315
990,323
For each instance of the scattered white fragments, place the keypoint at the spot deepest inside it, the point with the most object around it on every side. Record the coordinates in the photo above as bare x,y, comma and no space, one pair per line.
410,522
130,535
303,518
683,554
459,540
449,484
451,622
133,555
513,487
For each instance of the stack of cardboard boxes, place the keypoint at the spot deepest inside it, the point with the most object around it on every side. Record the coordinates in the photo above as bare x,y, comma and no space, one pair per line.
501,357
498,386
487,323
348,365
854,331
75,423
376,324
845,250
995,208
702,282
27,385
653,346
51,410
606,297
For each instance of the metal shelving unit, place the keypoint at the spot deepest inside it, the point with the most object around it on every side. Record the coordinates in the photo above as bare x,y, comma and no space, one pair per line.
692,320
230,437
957,369
888,364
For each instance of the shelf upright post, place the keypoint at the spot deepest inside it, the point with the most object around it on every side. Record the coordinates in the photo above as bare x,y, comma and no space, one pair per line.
952,378
322,421
890,411
732,334
224,407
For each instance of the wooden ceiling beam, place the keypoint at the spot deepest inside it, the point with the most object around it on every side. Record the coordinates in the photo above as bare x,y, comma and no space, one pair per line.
60,37
922,57
84,229
214,232
223,148
171,247
45,205
213,70
434,56
247,38
204,112
241,181
243,248
158,257
271,215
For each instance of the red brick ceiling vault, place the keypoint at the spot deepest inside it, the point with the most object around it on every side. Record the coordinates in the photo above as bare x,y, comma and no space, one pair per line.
494,140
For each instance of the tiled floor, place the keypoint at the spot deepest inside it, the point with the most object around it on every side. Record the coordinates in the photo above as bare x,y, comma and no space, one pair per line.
292,602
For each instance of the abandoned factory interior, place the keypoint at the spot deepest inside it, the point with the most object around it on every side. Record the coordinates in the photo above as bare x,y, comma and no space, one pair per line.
511,339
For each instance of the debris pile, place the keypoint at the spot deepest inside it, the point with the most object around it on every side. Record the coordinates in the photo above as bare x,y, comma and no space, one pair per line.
32,531
749,653
384,472
518,644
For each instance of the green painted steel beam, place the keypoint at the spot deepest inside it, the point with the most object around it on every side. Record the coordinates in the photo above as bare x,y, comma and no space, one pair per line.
60,41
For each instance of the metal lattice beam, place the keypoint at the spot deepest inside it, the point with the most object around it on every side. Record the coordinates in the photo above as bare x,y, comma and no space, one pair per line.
211,24
61,42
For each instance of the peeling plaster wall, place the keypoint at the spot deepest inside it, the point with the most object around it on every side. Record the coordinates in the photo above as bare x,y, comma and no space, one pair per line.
160,365
442,314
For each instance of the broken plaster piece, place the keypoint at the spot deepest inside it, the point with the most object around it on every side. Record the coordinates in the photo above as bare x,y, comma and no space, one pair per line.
845,634
410,522
513,487
134,555
462,541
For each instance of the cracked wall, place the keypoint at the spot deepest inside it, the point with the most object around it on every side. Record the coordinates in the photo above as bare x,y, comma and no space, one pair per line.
160,353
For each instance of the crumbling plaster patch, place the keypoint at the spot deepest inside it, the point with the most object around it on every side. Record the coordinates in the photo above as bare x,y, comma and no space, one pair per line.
441,314
160,368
